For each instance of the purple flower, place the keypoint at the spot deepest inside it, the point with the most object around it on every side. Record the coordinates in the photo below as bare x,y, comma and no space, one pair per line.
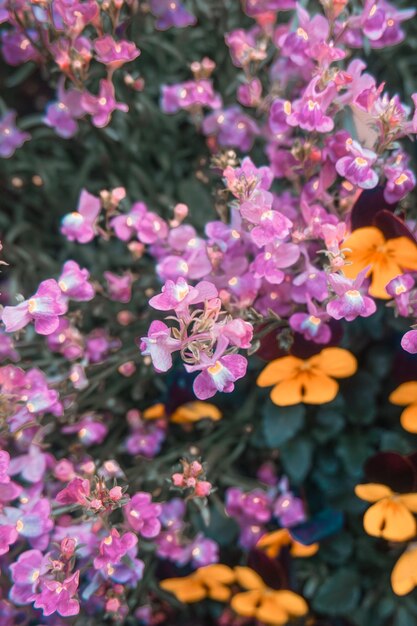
269,224
31,521
90,432
17,47
179,295
11,137
409,342
8,536
159,345
102,106
74,284
399,288
238,332
113,547
399,184
4,467
349,303
312,324
289,510
269,264
203,551
62,115
171,13
7,351
119,287
142,515
357,166
232,127
76,492
58,597
125,226
43,308
26,572
80,225
188,94
31,466
113,53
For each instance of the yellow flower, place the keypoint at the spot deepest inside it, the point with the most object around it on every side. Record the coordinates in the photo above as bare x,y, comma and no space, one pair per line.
391,515
265,604
404,574
195,411
206,582
310,380
387,258
272,543
406,395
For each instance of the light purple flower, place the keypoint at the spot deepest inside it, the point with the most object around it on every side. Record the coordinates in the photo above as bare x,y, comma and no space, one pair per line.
126,225
349,303
74,284
188,94
203,551
232,127
102,106
90,431
113,53
17,47
58,597
43,308
249,94
142,515
11,137
31,521
159,345
357,166
312,325
399,184
8,537
26,572
269,264
171,13
289,509
31,466
399,288
80,225
269,224
7,351
4,467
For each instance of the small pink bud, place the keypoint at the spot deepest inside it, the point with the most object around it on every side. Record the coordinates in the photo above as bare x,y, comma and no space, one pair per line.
196,468
68,546
116,494
112,605
203,488
180,212
127,369
64,470
178,480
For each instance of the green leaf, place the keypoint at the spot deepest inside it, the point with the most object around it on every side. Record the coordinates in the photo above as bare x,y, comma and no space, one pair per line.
296,458
280,424
339,593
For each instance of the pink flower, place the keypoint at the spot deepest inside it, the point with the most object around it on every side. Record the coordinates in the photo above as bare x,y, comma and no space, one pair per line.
11,138
238,333
4,467
26,572
312,325
74,284
409,342
80,225
171,13
119,287
8,537
125,226
102,106
113,53
399,184
250,93
43,308
76,492
58,597
232,127
62,115
159,345
269,224
113,547
142,515
357,166
179,295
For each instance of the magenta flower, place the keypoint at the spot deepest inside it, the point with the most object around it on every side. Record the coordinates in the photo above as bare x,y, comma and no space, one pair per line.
17,47
31,466
399,288
312,325
102,106
244,180
31,521
58,597
76,492
7,351
113,53
269,264
219,372
142,515
232,127
289,509
278,114
349,303
356,167
80,225
90,432
119,287
43,308
8,537
62,115
238,332
126,226
11,137
409,342
269,224
4,467
74,284
151,228
250,94
113,547
179,295
159,345
188,94
171,13
399,184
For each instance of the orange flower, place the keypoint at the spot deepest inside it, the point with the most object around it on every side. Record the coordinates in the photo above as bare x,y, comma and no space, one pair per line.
386,258
406,395
185,414
311,380
265,604
404,574
195,411
206,582
391,515
272,543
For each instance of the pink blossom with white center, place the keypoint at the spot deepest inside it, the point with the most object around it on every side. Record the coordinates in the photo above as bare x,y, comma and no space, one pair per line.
399,184
269,224
159,345
80,225
58,597
43,308
74,284
269,264
179,295
126,226
151,228
357,166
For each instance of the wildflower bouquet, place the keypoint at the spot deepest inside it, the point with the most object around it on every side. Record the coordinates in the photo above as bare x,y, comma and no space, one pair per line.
208,315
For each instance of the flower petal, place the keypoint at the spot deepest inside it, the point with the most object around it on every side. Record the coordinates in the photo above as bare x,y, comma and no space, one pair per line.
403,251
404,394
335,362
390,520
217,572
410,501
185,589
278,370
404,574
373,492
318,388
409,418
270,611
291,602
246,603
248,578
